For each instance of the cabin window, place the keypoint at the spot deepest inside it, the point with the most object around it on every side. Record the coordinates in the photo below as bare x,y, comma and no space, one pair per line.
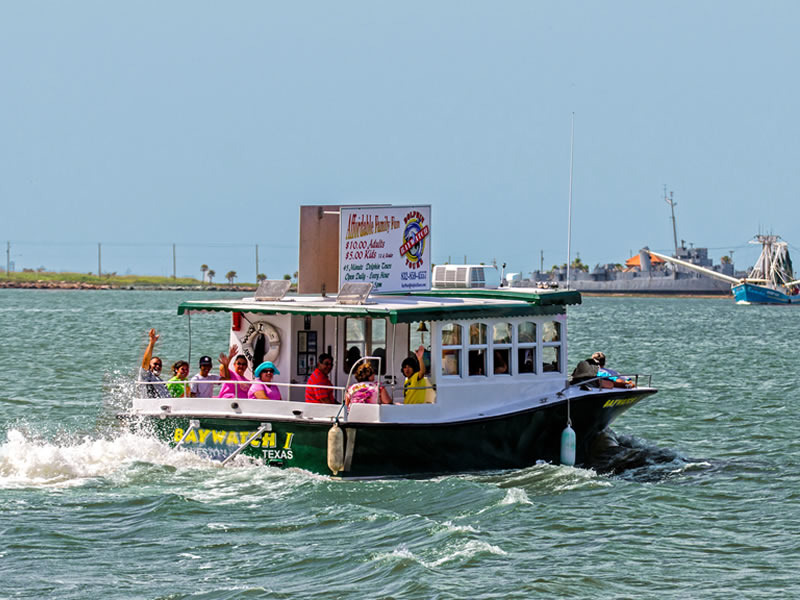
501,349
551,346
477,351
526,347
451,349
364,337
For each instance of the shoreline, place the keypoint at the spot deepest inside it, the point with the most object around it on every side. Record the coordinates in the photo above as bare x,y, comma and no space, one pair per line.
81,285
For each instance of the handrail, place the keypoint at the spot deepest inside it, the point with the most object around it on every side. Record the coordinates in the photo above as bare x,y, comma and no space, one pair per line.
187,382
264,427
634,376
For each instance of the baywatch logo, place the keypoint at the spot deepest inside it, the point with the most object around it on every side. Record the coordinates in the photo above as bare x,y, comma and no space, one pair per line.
414,236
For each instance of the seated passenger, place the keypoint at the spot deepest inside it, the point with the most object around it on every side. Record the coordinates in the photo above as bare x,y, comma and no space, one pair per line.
180,371
321,395
500,362
263,390
611,377
202,384
414,387
233,390
150,371
366,390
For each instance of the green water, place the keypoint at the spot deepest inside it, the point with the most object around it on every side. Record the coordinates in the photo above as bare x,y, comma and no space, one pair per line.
704,501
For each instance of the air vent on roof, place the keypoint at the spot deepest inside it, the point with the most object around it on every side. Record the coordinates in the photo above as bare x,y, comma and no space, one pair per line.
354,293
465,276
272,289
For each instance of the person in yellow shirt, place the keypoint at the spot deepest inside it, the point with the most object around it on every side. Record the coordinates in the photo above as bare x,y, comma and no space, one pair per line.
415,383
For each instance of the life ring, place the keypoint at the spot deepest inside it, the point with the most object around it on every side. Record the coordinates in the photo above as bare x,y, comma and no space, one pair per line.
261,342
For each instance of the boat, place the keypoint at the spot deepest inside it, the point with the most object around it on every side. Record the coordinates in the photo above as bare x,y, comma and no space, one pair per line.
643,273
496,393
770,281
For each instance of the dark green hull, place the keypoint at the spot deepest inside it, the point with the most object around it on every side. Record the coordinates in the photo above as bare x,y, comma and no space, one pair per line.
510,441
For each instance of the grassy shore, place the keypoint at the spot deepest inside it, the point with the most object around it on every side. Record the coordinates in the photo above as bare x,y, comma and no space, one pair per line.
32,279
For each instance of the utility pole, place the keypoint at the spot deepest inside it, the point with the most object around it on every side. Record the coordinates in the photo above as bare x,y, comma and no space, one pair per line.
99,268
256,263
8,258
541,261
174,274
672,204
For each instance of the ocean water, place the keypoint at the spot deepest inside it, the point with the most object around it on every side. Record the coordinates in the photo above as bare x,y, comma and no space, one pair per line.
697,496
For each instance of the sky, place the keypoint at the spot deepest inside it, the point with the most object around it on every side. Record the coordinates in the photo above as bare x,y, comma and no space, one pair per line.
139,125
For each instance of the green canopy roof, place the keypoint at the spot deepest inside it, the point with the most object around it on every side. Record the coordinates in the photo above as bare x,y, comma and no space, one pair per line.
436,305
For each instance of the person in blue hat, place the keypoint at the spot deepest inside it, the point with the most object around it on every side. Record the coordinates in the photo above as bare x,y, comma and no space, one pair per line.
263,390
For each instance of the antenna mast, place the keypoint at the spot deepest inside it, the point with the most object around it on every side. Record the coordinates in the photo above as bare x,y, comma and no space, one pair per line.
569,212
672,204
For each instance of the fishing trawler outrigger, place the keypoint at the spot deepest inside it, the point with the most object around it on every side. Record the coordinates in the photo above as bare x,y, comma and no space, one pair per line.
770,281
496,391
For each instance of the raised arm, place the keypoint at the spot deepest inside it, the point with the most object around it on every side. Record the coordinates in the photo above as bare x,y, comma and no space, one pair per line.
420,359
224,361
148,352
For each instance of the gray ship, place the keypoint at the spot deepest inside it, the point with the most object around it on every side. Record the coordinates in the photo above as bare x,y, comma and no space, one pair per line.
644,273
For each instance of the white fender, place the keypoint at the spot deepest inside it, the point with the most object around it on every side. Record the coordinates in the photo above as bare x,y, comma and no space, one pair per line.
335,449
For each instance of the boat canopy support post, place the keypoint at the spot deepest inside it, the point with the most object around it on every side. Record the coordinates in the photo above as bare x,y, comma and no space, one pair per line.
193,424
264,427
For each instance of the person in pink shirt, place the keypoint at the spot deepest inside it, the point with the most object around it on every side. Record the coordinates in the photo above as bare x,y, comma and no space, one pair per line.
233,390
263,390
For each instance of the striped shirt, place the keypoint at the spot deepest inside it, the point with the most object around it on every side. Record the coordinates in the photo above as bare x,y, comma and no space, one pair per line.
319,395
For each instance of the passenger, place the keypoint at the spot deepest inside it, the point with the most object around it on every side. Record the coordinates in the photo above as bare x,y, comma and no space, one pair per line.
263,390
180,371
611,376
353,354
201,385
500,363
150,370
321,395
366,390
594,367
233,390
587,369
414,387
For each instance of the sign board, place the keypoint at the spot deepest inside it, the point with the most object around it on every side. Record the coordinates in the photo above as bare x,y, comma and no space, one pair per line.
388,246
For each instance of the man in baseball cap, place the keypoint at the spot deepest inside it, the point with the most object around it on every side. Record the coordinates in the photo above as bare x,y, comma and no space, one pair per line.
202,385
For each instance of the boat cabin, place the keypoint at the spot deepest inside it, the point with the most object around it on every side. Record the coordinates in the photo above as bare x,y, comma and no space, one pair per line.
484,349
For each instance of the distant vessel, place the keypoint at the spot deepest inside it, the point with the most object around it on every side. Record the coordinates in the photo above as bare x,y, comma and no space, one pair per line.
770,281
643,273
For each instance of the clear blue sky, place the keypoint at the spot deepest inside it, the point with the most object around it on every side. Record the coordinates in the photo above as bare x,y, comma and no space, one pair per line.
207,124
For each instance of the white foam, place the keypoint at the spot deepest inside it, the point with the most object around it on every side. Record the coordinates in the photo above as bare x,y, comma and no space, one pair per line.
451,552
30,462
516,496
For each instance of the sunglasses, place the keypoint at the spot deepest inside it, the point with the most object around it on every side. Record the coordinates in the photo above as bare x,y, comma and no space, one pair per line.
240,364
269,371
155,366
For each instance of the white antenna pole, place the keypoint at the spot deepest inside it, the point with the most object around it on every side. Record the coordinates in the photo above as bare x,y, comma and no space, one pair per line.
569,212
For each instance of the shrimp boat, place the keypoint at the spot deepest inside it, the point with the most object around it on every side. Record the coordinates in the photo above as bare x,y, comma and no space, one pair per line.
770,281
496,391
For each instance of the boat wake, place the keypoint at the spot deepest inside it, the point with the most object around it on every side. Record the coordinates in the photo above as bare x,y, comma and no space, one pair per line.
631,458
27,461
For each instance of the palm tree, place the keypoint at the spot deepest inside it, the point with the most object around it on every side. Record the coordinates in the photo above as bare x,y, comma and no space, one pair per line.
211,274
230,276
203,269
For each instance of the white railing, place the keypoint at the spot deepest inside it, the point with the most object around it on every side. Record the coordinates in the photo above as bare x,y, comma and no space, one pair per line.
338,390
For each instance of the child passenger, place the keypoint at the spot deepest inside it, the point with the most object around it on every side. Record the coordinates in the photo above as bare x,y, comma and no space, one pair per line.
415,383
